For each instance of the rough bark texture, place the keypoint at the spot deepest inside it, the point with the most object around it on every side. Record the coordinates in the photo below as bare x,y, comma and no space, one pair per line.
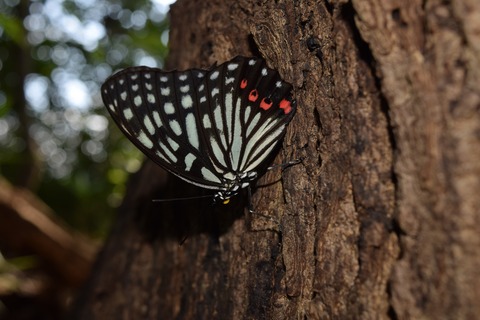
428,56
381,218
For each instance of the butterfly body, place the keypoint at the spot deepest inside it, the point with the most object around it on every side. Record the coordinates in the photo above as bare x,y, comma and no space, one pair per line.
217,129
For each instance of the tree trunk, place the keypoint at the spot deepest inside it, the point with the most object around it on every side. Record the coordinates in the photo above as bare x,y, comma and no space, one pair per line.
380,220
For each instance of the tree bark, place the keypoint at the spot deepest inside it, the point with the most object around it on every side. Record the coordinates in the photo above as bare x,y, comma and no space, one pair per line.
380,220
428,58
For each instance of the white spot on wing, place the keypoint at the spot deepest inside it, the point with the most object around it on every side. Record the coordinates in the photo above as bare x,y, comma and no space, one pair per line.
183,77
229,176
217,114
149,125
156,118
125,129
192,132
203,99
272,142
264,72
137,101
229,80
217,117
267,139
217,152
248,109
187,101
209,176
201,87
165,91
214,75
169,108
169,153
135,87
189,158
236,148
142,137
206,122
148,86
163,79
252,124
158,153
185,89
173,144
229,114
251,62
151,98
175,127
232,66
123,95
127,113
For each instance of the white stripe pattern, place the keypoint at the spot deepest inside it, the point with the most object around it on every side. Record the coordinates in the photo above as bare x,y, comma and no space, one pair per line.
192,132
236,149
213,129
189,158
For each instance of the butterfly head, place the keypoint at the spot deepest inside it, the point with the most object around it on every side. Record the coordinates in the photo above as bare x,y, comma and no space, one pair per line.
233,182
224,196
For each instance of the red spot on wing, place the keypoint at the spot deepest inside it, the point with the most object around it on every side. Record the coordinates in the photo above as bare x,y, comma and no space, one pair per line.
253,96
286,106
266,103
243,84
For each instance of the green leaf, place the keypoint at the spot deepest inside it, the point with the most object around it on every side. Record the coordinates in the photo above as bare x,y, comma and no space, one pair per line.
13,28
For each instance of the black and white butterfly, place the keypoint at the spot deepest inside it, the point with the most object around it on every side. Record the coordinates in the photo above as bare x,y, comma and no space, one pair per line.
217,129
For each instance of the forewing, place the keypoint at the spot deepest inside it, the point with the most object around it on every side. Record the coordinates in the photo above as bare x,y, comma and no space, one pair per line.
206,127
158,112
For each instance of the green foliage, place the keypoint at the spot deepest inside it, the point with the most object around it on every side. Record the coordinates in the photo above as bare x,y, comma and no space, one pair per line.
55,135
12,27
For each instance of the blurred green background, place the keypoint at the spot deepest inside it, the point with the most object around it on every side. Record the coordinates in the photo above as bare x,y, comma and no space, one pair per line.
56,137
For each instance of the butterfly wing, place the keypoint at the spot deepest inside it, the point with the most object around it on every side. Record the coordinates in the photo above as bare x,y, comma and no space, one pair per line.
156,111
203,126
244,114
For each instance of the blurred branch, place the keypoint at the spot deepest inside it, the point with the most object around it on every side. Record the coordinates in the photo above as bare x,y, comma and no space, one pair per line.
31,174
29,224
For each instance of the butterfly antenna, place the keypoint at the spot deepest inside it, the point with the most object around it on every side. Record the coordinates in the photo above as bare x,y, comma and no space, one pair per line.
181,199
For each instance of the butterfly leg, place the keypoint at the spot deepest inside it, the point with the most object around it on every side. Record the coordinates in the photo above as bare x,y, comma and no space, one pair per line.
249,199
283,166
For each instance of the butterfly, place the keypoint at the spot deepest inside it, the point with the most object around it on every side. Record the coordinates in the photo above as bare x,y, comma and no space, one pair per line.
217,129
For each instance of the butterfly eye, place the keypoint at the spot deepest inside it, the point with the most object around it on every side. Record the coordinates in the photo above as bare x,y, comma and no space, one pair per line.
199,125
